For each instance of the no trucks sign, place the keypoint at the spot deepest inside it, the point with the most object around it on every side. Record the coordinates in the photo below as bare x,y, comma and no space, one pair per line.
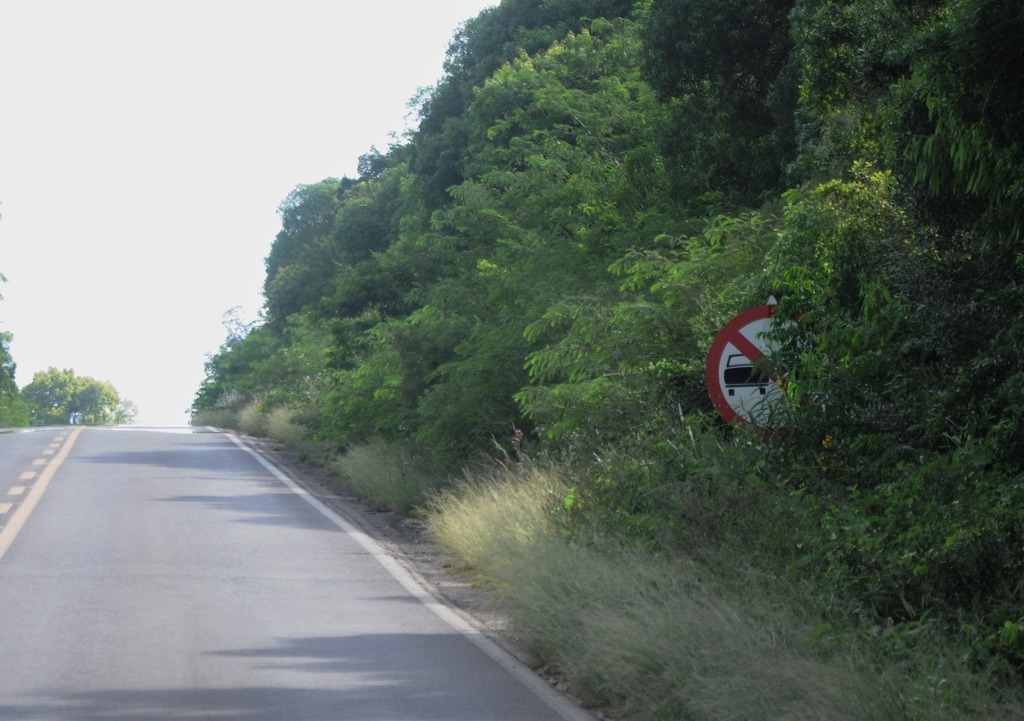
742,383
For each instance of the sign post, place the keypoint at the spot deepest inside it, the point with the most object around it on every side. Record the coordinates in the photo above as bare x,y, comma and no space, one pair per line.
742,383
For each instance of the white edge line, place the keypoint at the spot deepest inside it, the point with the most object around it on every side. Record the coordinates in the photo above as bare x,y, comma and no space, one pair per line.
559,703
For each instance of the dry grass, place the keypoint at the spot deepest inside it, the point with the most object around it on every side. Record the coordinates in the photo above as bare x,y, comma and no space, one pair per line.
216,418
652,639
489,522
280,424
252,420
389,475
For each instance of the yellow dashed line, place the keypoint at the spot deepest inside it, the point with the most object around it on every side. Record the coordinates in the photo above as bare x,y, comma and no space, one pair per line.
25,508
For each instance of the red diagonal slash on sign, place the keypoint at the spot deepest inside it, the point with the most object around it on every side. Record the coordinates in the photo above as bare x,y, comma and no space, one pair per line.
732,335
757,357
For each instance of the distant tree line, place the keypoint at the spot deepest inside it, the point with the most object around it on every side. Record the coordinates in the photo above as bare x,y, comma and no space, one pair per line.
57,397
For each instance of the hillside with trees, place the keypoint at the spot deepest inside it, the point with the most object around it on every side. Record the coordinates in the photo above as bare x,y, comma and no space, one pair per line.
509,312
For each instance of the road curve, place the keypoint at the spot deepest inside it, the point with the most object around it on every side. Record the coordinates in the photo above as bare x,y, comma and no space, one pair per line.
179,575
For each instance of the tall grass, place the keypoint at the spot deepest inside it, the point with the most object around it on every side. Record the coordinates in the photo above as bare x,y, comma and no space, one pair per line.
389,475
665,640
225,414
488,522
655,638
279,423
216,418
252,420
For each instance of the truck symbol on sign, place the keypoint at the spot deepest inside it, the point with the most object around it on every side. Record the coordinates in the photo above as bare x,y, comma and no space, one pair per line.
740,373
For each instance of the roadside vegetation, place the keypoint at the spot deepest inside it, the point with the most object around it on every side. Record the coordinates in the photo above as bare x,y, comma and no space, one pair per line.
500,328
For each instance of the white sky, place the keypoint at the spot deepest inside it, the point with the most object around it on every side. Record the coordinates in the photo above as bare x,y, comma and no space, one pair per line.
145,146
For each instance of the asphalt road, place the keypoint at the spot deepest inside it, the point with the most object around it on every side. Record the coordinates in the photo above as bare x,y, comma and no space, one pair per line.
161,575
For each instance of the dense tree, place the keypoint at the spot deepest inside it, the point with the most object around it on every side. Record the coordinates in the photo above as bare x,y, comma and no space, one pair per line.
564,177
300,265
568,179
59,397
728,69
969,72
368,220
13,411
496,36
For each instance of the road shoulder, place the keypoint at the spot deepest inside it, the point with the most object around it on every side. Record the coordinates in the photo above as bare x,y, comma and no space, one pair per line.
411,544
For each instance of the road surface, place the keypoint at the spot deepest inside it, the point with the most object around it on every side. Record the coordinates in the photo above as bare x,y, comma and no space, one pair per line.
150,574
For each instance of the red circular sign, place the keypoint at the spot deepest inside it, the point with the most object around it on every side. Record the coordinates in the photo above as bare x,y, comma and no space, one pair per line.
742,384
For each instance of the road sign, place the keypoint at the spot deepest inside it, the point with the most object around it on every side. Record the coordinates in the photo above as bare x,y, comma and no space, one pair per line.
742,383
